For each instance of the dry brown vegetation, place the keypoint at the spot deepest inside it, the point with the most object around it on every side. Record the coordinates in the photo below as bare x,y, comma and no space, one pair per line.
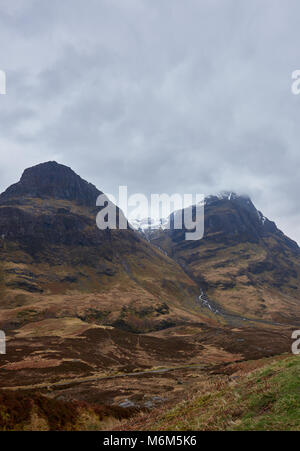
35,412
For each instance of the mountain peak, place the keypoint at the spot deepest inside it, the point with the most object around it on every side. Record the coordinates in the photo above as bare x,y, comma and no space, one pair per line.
49,169
52,180
226,195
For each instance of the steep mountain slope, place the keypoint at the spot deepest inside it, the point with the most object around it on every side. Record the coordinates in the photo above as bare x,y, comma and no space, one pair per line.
244,264
55,262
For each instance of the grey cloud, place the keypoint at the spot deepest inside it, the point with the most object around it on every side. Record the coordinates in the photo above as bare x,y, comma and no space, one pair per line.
164,96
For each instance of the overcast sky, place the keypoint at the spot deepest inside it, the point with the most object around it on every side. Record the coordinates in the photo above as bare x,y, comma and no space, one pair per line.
160,95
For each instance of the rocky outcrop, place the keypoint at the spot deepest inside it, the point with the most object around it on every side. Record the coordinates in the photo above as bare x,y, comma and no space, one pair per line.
52,180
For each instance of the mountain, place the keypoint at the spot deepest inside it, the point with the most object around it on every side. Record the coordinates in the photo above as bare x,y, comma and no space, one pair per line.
55,262
244,264
85,309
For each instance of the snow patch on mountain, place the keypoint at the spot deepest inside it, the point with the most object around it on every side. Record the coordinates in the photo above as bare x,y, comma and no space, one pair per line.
149,223
261,217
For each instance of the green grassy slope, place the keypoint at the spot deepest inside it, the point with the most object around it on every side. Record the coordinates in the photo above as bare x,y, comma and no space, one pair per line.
264,399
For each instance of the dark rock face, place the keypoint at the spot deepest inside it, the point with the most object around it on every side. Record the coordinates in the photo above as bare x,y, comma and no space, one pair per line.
40,212
52,180
240,217
56,228
234,219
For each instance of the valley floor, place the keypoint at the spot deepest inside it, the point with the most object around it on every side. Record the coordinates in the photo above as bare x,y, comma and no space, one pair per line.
189,377
258,394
